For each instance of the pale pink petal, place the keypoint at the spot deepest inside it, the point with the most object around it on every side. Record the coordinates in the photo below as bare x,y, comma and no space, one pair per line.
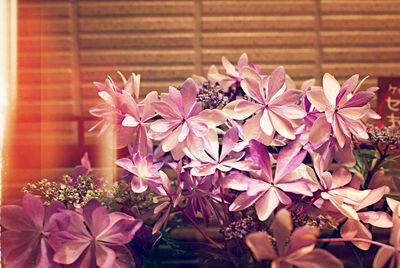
235,180
261,246
189,94
339,134
354,113
252,128
241,109
242,61
163,125
374,196
230,139
376,218
266,204
171,141
212,118
260,156
204,170
296,187
275,82
355,229
282,125
121,229
320,131
253,89
318,99
343,208
138,185
229,67
331,88
184,132
340,177
198,127
165,110
211,145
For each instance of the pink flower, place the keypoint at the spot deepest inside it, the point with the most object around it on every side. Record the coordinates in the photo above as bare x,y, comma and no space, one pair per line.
95,237
274,109
299,252
122,116
145,173
26,239
183,121
389,256
342,115
169,198
267,191
355,229
212,159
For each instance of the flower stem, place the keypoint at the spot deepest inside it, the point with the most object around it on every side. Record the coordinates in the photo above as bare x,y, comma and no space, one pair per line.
333,240
203,233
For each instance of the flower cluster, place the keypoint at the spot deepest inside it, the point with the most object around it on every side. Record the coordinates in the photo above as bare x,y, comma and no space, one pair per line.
276,166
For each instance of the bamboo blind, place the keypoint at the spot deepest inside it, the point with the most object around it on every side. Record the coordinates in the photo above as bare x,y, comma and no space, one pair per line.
65,45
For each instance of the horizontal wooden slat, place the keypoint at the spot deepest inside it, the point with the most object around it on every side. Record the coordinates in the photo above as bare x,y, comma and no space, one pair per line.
360,7
360,22
360,38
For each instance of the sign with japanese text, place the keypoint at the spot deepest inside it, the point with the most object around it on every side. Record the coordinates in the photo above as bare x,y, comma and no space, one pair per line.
389,101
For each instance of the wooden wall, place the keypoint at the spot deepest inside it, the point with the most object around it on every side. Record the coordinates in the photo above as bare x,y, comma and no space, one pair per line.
65,45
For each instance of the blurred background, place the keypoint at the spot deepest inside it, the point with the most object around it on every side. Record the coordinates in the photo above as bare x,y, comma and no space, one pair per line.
63,46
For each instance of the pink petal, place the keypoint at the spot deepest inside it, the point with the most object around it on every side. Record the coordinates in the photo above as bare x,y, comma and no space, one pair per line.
95,216
281,227
252,128
355,229
163,125
275,82
282,125
235,180
14,218
171,141
359,99
318,99
165,110
34,209
70,251
199,127
343,208
296,187
261,246
383,256
18,248
302,240
339,134
374,196
340,178
230,139
253,89
320,131
376,218
289,158
138,185
331,88
266,124
105,257
212,118
241,109
121,230
243,201
229,67
242,61
189,94
260,155
266,204
354,113
184,132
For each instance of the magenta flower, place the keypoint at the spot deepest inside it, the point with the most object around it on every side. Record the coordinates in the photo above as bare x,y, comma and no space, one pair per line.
95,237
275,109
342,112
213,160
183,121
295,249
145,172
267,191
28,228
